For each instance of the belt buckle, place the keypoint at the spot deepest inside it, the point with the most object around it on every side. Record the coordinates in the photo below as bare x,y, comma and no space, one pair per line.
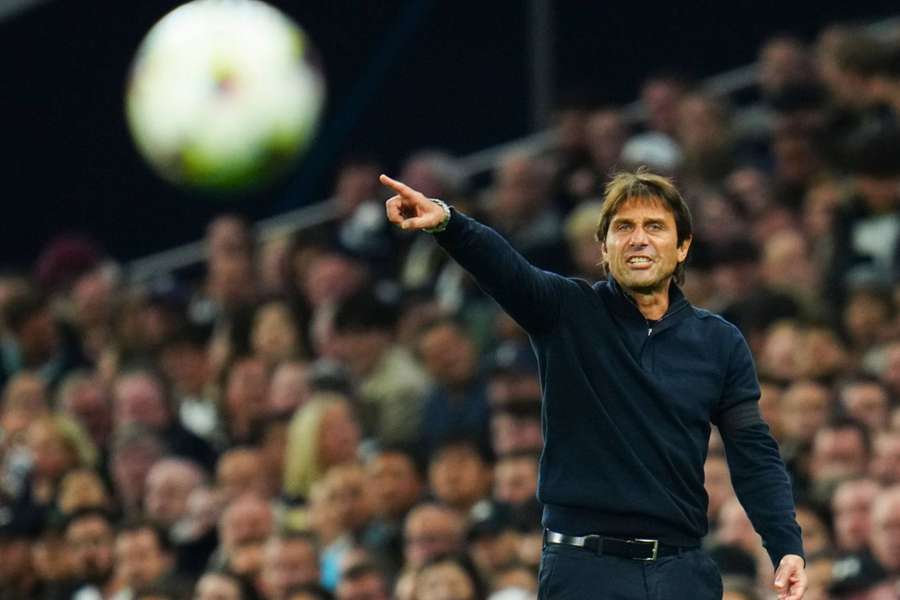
655,550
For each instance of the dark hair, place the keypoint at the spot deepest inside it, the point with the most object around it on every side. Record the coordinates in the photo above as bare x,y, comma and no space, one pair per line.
642,183
310,588
463,562
362,569
365,311
140,524
842,423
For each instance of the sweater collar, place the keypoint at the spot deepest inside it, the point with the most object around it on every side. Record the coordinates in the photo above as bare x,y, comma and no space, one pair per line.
625,306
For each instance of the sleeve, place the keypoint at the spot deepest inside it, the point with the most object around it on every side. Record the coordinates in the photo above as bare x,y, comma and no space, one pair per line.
757,471
530,295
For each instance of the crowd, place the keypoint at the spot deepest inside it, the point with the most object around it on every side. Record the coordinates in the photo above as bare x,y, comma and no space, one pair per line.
340,412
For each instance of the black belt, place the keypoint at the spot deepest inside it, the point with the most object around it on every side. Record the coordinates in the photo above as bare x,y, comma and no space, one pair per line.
638,549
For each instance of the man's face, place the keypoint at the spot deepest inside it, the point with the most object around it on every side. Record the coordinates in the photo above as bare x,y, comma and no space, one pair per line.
138,398
459,477
515,480
90,543
139,558
641,245
286,564
367,587
393,483
430,531
851,506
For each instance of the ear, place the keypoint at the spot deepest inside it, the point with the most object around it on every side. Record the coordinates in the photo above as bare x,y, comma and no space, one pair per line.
683,249
604,255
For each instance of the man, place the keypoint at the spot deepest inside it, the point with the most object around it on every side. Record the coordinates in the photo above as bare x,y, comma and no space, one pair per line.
288,560
142,557
363,581
633,377
89,537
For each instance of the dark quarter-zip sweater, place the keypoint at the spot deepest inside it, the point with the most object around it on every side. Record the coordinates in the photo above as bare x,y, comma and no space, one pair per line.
628,404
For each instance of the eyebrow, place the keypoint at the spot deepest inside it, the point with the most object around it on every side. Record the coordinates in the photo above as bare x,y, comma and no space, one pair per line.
645,221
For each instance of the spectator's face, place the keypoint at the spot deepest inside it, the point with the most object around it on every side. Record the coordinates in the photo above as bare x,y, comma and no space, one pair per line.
851,505
519,189
370,586
838,454
769,401
606,134
238,471
459,477
394,484
515,480
289,389
217,587
50,453
50,558
700,124
15,562
187,366
805,408
288,563
510,386
331,278
491,552
661,99
429,532
89,405
885,466
864,318
355,185
139,398
90,543
449,355
139,558
38,338
867,403
245,393
246,524
275,336
444,581
717,483
885,534
345,492
339,435
514,433
130,466
815,536
735,528
227,236
891,374
168,487
782,63
641,245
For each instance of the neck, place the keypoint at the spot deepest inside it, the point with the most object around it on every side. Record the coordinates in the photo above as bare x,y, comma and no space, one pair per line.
653,303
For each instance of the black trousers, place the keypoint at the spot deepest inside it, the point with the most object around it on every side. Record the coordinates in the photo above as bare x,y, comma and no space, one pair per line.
569,573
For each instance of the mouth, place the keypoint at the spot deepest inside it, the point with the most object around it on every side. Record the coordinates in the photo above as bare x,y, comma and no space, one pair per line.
639,262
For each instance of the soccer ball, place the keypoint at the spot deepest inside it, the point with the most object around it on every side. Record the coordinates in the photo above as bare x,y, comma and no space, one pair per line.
224,94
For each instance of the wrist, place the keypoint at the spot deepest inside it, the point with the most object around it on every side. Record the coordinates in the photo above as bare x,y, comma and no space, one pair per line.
443,224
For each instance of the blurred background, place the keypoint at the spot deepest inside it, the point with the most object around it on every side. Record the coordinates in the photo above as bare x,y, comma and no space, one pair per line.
270,393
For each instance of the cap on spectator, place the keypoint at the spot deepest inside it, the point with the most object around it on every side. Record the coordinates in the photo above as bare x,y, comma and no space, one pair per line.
513,359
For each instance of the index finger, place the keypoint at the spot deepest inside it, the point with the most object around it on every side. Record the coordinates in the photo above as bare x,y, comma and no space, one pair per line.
399,187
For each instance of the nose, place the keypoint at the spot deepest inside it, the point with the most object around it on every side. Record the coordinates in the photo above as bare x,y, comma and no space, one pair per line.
638,237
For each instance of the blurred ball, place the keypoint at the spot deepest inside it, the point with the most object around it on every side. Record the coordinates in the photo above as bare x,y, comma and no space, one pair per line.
224,94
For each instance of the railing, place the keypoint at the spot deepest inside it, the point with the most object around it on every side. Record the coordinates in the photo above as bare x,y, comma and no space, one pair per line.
169,261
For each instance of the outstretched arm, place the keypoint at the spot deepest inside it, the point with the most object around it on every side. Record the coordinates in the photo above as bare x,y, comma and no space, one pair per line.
530,295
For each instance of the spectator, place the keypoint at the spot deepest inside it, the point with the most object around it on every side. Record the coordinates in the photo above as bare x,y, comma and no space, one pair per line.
430,530
90,537
456,403
168,487
851,505
288,560
363,582
142,557
244,527
322,434
459,474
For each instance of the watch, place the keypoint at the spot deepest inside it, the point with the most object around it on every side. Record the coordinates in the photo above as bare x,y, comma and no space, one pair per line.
443,224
